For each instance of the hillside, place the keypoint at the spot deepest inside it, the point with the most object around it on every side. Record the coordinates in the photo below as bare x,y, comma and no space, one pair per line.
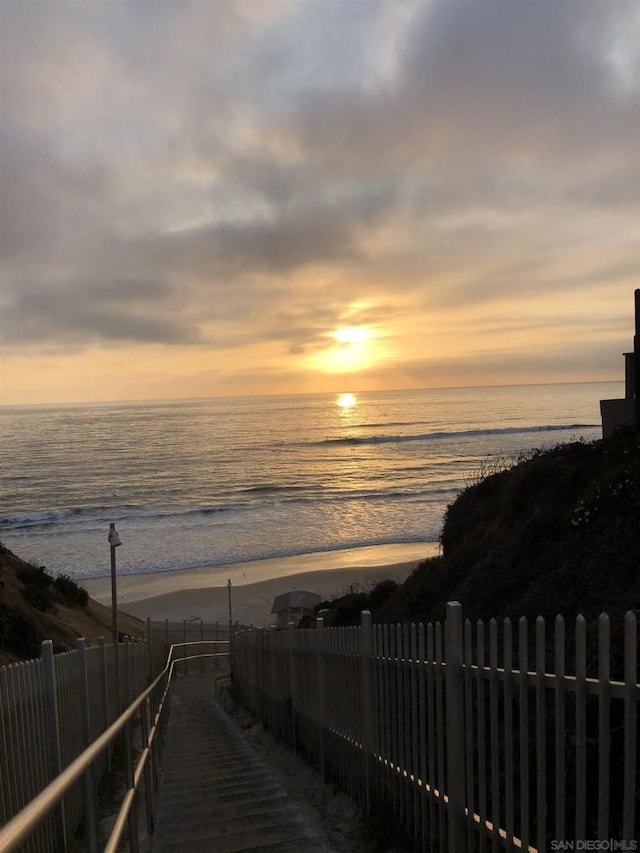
34,606
558,532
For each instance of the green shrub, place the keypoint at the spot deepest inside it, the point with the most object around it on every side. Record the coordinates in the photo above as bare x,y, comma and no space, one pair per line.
17,634
38,586
34,576
381,593
71,592
42,590
38,597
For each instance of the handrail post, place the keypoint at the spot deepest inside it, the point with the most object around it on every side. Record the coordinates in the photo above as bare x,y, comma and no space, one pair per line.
454,682
53,728
366,695
90,802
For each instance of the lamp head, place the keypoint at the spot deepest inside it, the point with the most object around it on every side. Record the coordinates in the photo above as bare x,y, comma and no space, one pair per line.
114,538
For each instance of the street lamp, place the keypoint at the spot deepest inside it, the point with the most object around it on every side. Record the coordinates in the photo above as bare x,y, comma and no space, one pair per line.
114,541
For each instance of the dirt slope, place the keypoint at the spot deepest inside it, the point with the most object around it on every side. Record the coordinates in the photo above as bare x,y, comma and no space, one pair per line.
56,617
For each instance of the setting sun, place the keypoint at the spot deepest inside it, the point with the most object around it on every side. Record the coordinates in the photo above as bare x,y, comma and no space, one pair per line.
351,335
349,349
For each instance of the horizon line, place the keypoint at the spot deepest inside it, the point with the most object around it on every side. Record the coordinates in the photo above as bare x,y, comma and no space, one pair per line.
150,400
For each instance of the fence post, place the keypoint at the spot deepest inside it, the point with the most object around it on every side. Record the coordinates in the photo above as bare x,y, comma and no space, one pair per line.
123,661
366,695
150,648
292,686
129,769
104,684
322,699
5,798
185,665
90,803
145,724
53,728
630,720
253,671
104,689
272,684
454,683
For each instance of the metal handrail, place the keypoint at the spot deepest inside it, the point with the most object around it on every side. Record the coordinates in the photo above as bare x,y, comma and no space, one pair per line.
26,821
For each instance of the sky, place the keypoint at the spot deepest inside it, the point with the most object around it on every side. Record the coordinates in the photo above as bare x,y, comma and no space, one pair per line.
217,198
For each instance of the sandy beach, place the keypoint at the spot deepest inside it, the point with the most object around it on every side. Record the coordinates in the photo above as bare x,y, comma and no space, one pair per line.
202,593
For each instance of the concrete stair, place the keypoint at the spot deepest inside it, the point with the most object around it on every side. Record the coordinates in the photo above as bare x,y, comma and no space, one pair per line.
216,794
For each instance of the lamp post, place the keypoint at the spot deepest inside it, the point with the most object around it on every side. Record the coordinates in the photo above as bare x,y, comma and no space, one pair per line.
114,541
636,360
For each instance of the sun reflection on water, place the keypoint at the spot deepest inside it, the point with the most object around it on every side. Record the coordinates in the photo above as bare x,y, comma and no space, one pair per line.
346,401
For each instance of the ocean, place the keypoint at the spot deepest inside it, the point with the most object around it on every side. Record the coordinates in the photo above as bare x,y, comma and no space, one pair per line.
212,482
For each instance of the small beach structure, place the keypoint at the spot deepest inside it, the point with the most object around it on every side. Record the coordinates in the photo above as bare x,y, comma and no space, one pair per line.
290,607
626,411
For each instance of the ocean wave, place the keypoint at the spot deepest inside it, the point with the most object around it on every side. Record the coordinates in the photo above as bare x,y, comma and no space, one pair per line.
48,518
270,554
390,424
443,434
40,519
122,512
268,488
64,520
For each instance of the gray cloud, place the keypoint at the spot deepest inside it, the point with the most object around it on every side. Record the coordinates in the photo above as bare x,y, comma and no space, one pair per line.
569,362
83,312
170,169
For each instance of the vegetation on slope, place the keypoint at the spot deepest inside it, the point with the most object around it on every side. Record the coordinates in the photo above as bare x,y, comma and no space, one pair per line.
558,532
36,606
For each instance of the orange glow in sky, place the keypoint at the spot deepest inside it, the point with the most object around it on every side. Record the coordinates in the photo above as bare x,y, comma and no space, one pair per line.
285,197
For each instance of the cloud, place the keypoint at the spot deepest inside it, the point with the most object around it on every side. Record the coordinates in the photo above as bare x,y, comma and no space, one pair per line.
223,175
79,313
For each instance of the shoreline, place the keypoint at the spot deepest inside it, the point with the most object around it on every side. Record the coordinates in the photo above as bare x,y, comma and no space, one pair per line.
202,593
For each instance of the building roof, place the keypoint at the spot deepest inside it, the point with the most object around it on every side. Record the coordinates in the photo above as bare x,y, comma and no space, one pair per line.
295,598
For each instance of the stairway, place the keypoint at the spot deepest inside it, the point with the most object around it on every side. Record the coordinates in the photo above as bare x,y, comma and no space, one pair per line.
216,795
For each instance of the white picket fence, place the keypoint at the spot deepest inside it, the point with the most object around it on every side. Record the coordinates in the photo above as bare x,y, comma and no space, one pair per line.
50,710
53,707
161,634
459,734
